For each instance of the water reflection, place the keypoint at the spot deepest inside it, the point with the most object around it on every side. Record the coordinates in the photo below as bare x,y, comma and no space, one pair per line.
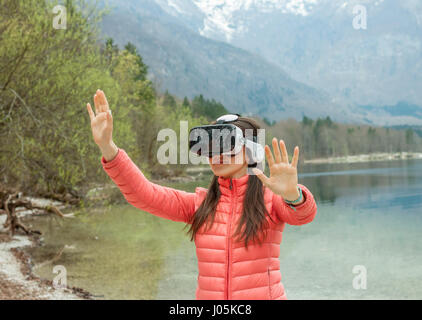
396,199
368,214
386,185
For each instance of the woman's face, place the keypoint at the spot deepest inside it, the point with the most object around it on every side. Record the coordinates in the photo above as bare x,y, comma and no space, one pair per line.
229,166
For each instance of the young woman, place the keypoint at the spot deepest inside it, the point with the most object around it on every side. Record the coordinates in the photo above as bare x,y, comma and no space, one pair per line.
236,224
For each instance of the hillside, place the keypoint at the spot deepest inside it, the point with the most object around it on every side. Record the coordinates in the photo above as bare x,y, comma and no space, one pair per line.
315,42
188,64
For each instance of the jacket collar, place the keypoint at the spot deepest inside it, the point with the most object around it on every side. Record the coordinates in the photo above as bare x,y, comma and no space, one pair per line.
231,185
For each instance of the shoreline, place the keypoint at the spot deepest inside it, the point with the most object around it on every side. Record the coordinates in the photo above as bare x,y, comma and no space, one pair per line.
17,278
358,158
372,157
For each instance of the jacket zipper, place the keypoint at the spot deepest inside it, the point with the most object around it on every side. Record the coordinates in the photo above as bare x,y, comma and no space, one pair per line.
228,243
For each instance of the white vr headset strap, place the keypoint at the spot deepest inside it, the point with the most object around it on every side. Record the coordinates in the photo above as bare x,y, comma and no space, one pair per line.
256,150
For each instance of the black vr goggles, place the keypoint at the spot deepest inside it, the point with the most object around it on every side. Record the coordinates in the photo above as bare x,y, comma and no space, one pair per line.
224,138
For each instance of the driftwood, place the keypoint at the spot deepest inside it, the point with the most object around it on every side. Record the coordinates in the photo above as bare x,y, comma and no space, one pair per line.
12,199
67,198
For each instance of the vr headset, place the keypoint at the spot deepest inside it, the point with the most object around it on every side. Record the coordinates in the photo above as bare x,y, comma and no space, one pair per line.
224,138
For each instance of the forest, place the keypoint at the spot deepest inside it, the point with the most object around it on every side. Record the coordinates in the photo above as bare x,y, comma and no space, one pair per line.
48,75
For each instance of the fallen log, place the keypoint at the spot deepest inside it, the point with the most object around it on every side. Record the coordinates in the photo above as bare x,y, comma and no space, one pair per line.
66,198
12,199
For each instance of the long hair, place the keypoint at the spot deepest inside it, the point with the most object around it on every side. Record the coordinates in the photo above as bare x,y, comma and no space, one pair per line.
253,222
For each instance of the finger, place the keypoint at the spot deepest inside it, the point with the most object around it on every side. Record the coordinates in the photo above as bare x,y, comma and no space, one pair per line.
100,101
276,151
103,101
295,157
90,112
97,104
284,152
269,155
261,176
110,118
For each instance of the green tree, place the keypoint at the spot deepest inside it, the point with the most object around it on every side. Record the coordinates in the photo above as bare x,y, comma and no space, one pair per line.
410,137
307,121
169,101
111,50
268,122
46,77
186,102
210,109
142,67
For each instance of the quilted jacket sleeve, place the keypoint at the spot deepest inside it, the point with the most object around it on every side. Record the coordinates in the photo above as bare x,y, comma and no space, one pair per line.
161,201
301,214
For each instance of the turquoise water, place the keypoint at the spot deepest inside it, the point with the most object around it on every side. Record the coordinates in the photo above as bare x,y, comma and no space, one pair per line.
369,214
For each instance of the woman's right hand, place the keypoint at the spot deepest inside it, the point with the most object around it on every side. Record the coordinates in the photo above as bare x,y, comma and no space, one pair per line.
102,125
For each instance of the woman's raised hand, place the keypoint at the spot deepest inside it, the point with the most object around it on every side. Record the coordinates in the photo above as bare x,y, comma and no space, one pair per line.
283,175
102,125
101,120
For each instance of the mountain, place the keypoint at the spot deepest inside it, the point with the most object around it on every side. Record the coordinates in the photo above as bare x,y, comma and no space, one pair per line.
187,63
314,41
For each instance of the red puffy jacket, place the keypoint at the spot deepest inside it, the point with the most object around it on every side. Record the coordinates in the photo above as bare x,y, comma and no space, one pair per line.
227,271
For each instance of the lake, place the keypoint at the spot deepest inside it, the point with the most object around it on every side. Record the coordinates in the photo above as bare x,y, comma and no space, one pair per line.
369,217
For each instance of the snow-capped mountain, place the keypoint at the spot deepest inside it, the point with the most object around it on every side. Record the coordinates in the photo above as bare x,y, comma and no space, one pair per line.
226,19
280,58
188,64
222,18
315,42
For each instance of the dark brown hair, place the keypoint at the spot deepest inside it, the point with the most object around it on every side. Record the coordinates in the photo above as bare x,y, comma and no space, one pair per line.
253,219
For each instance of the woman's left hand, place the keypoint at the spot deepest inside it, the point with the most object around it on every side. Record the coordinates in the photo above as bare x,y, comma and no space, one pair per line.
283,175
